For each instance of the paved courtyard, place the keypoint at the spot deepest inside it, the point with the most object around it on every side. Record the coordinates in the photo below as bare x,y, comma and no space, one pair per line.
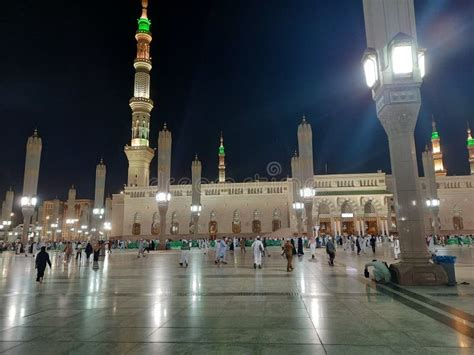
151,305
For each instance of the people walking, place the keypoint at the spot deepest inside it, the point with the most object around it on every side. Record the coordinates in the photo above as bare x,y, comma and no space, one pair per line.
396,248
300,246
242,245
358,244
96,249
288,253
42,259
185,247
373,241
257,249
312,247
79,251
331,251
88,251
67,252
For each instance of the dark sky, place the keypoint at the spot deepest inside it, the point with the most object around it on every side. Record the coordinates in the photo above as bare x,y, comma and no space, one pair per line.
249,68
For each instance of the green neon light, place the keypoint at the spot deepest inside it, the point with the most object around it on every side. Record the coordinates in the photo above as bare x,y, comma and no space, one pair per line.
470,142
221,150
434,135
144,24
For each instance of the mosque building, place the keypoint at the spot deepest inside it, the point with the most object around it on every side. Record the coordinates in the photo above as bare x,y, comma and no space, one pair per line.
336,204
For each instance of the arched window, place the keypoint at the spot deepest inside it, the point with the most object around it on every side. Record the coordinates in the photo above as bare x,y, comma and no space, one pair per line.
276,221
136,227
236,223
458,223
174,228
256,223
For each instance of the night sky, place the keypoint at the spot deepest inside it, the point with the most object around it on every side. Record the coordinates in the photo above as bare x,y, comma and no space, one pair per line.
248,68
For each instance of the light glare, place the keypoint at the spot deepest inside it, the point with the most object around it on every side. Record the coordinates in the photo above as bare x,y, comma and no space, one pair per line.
402,60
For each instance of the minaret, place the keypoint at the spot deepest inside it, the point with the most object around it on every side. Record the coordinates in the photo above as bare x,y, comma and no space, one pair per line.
163,195
139,153
470,148
305,147
437,153
196,169
71,213
222,160
30,182
100,172
7,207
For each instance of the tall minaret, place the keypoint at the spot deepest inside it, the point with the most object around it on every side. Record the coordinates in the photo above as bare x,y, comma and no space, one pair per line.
305,147
30,182
139,153
222,160
470,148
100,172
163,195
7,207
437,153
71,213
196,194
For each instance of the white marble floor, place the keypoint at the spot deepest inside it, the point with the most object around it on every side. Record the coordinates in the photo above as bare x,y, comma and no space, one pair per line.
151,305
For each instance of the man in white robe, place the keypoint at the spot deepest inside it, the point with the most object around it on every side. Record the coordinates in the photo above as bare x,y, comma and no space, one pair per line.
257,249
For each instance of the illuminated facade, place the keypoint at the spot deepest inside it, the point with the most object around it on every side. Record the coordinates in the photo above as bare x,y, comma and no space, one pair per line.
470,149
334,204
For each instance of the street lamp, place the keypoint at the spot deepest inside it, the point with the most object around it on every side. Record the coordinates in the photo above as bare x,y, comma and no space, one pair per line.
369,61
307,192
298,206
434,202
196,209
27,201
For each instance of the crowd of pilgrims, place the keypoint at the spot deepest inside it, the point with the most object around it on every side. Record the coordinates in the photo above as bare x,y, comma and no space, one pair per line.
290,247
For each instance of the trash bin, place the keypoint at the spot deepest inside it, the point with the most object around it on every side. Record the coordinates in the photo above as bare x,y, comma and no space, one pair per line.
447,263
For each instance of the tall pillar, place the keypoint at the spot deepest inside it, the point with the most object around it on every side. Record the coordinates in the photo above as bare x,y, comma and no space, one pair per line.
196,194
98,210
30,182
139,153
7,207
305,147
296,184
71,218
163,195
395,83
432,202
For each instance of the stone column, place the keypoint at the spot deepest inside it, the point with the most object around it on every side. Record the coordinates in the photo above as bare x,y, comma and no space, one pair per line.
164,175
196,194
30,181
395,83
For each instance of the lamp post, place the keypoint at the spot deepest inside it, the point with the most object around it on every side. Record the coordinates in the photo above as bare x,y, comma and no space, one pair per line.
394,68
28,205
163,199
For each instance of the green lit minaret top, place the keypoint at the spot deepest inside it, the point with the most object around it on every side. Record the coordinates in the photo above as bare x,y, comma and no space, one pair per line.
470,140
434,133
221,147
143,22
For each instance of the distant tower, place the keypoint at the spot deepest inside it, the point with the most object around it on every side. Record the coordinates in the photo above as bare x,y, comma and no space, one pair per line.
71,210
222,160
437,153
7,207
431,189
196,169
163,195
470,149
139,154
305,147
296,179
100,172
30,182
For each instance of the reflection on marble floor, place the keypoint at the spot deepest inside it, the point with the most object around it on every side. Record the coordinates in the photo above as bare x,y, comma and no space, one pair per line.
151,305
